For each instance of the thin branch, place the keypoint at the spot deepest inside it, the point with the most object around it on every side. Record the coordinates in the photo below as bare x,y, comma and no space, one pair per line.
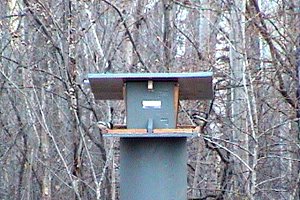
228,150
129,34
11,16
263,30
199,54
44,29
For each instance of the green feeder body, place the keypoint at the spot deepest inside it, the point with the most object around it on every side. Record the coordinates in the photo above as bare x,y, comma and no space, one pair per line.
155,105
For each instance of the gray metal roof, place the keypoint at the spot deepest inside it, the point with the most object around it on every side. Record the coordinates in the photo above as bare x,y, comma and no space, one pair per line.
192,86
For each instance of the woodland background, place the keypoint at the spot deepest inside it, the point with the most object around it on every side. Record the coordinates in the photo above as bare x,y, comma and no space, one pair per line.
50,147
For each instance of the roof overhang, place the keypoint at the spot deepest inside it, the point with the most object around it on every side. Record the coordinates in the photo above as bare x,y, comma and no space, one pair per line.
192,86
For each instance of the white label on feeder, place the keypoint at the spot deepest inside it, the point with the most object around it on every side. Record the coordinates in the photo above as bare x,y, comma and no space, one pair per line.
151,104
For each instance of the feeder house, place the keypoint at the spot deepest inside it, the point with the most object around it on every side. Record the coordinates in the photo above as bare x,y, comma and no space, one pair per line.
151,99
153,150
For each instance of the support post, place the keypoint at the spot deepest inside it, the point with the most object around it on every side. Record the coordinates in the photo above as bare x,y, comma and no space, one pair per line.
153,168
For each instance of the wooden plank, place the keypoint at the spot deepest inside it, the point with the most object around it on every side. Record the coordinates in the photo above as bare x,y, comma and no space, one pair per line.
123,126
172,131
185,126
155,131
176,100
127,131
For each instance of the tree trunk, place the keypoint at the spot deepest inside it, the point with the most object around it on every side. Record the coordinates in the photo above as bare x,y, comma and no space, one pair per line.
238,111
167,34
297,54
128,46
46,174
136,32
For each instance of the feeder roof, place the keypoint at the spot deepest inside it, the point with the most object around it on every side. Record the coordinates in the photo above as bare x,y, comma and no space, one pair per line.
192,86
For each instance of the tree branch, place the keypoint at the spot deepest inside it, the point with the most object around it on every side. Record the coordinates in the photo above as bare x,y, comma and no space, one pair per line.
129,34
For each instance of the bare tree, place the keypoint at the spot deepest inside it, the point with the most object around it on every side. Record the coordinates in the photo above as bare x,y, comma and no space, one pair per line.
50,145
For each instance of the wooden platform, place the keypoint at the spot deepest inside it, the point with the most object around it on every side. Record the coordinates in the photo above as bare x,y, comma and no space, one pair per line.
178,132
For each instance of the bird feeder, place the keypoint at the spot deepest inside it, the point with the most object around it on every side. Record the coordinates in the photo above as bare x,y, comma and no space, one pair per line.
152,146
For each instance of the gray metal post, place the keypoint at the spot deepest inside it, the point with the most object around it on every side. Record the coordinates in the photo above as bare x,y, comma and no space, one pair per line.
153,168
